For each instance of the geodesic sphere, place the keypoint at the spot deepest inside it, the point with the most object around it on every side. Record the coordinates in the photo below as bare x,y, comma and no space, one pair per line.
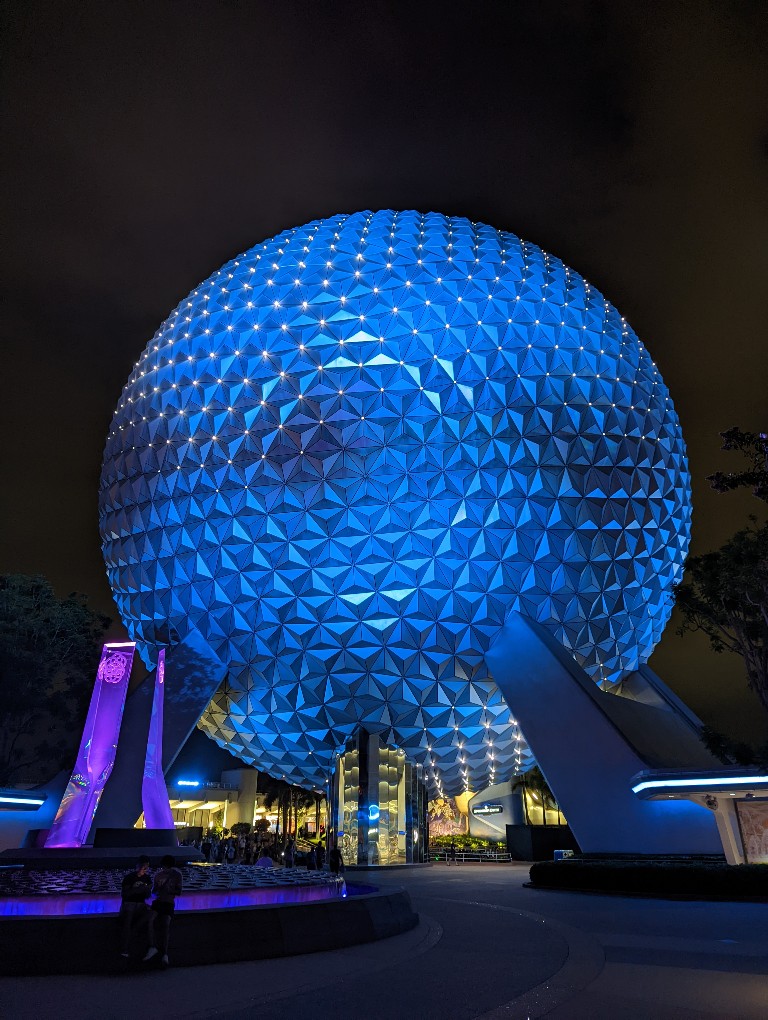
350,452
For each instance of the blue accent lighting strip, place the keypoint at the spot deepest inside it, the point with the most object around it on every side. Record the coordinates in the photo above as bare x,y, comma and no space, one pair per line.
718,782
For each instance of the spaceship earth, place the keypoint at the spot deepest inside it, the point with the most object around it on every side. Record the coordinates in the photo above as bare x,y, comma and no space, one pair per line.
346,456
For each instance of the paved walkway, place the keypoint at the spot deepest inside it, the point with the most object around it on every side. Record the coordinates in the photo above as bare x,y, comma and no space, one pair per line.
486,949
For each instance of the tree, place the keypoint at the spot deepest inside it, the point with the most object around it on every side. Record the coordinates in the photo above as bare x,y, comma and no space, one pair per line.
49,653
533,782
734,752
725,593
754,447
289,800
277,792
241,829
319,798
303,800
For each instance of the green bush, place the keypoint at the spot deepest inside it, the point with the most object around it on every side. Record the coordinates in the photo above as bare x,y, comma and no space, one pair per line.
705,879
466,843
241,829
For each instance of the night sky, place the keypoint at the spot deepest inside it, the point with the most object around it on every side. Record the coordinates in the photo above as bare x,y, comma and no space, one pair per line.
147,143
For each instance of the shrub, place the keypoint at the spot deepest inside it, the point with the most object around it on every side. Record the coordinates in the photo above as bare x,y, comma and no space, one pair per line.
705,879
466,842
241,829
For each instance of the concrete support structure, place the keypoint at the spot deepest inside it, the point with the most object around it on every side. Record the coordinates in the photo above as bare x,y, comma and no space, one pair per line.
244,808
192,675
591,744
619,763
154,796
98,744
127,745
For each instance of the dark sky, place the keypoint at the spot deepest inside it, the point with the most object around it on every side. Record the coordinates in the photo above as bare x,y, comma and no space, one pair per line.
147,143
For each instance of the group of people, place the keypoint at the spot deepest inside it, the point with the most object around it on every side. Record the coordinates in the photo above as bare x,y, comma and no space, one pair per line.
232,850
154,918
312,859
262,851
236,849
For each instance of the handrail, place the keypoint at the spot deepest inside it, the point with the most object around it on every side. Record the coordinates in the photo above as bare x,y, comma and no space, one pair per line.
470,855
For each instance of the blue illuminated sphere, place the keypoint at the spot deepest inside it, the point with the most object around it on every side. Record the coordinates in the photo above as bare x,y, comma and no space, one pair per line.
350,452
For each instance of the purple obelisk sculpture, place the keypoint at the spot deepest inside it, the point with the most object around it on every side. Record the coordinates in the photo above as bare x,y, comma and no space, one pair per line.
97,748
154,794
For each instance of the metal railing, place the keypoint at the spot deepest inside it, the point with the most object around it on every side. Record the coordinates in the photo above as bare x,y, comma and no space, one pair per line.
303,845
470,856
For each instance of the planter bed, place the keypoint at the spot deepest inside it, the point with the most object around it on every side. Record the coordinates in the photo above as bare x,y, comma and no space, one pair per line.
686,878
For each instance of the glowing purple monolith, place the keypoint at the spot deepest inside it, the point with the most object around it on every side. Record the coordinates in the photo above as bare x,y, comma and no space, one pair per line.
98,746
154,794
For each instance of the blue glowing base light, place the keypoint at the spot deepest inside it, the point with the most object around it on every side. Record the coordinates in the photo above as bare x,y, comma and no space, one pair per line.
350,452
77,905
206,887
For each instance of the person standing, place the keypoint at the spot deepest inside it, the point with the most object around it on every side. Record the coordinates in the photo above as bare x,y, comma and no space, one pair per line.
135,890
290,852
451,855
336,861
166,887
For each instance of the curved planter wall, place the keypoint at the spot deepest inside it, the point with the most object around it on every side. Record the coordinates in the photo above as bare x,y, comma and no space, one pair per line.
89,944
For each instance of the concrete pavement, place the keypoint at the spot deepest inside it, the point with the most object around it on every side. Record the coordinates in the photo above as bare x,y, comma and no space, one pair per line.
486,948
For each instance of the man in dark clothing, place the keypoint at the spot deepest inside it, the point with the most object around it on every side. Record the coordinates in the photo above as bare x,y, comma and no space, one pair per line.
166,887
136,887
336,861
289,854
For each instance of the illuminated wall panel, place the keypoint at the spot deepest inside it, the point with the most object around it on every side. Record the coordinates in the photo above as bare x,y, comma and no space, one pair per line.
154,793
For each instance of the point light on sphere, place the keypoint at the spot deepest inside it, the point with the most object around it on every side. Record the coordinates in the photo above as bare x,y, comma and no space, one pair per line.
350,452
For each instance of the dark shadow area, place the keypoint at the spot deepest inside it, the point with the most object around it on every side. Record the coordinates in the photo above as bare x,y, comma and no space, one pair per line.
89,945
